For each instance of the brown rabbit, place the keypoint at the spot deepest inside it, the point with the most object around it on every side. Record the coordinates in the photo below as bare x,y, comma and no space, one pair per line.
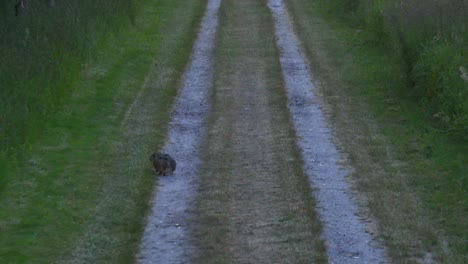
163,163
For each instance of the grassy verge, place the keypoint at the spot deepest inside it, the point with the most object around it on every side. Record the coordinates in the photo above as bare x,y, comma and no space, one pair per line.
42,52
430,39
414,175
254,204
79,194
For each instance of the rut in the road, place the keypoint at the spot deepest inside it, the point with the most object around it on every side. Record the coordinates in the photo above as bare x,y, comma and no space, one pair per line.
167,238
255,204
344,231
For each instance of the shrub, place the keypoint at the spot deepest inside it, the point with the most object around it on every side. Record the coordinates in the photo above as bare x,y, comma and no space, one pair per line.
440,86
430,36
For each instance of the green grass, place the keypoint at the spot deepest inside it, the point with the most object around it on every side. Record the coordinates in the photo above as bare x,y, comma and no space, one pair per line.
429,37
41,53
80,191
412,168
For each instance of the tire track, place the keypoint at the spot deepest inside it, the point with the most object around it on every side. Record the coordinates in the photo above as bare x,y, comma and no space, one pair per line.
166,238
345,234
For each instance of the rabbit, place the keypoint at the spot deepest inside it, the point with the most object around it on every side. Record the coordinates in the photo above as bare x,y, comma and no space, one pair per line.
163,163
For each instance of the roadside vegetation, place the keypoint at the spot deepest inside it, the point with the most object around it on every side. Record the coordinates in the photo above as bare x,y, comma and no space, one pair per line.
430,40
394,76
42,51
86,93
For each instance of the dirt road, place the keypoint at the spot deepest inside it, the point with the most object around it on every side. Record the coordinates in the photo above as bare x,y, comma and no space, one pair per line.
254,205
263,185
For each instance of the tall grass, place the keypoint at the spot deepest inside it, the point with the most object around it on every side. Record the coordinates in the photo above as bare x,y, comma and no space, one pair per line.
41,53
430,36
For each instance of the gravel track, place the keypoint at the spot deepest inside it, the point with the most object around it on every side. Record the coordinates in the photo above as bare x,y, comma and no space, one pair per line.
166,238
344,232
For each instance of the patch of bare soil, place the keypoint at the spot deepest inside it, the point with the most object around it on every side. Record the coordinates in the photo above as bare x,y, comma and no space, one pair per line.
254,204
166,238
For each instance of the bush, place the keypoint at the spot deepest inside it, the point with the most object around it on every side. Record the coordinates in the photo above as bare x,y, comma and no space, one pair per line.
430,36
440,85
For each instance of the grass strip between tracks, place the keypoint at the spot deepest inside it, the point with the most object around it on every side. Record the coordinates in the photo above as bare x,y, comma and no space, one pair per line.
80,194
255,203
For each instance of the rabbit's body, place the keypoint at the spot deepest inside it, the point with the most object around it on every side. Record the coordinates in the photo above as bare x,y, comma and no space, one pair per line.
163,163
